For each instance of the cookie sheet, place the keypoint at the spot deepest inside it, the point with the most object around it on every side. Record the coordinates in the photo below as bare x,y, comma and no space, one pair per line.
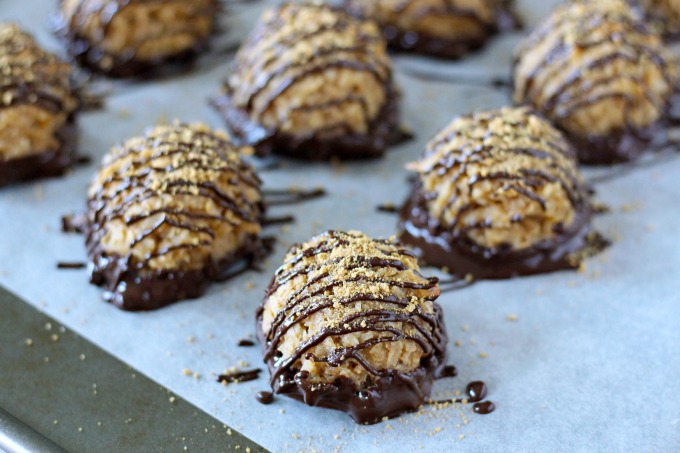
575,361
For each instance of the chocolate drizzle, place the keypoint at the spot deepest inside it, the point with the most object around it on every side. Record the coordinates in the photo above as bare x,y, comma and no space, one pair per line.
152,188
433,43
266,68
376,264
239,376
520,164
30,76
570,77
93,54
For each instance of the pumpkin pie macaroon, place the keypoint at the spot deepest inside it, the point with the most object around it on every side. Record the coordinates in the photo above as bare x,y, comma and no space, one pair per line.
601,74
441,28
350,323
135,37
38,109
168,213
313,82
498,194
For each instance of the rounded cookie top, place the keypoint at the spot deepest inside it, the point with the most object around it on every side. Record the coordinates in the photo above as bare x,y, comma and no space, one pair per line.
311,71
36,95
122,38
178,198
597,71
501,180
344,306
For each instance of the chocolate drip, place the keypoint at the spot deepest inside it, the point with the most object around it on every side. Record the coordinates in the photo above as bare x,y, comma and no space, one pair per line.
291,196
131,283
64,265
239,376
448,371
246,343
484,408
267,54
629,141
93,54
389,208
389,392
475,392
265,397
33,77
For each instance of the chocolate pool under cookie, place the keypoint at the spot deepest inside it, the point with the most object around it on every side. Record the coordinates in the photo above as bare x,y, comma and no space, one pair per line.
349,323
127,38
498,194
598,72
169,212
442,28
313,82
38,107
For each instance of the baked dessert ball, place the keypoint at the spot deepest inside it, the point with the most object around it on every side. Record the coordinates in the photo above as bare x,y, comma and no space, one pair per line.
169,212
126,38
38,107
441,28
664,16
349,323
498,194
313,82
598,72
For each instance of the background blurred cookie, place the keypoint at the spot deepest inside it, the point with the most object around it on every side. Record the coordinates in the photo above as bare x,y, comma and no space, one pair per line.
132,38
313,82
38,107
442,28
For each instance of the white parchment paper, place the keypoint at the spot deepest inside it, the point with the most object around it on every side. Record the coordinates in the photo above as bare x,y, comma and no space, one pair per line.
584,361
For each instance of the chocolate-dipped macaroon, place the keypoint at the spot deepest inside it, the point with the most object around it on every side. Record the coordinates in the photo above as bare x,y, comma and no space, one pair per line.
169,212
498,194
127,38
349,323
598,72
441,28
38,106
313,82
664,16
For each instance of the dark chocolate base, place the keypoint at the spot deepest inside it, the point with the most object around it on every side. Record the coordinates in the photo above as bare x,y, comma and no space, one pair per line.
45,164
132,288
619,147
90,56
439,247
383,132
388,396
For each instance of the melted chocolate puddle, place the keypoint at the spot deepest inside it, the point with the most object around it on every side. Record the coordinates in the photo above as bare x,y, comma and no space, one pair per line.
240,376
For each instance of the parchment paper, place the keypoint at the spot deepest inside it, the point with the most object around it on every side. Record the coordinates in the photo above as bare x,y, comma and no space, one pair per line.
584,361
